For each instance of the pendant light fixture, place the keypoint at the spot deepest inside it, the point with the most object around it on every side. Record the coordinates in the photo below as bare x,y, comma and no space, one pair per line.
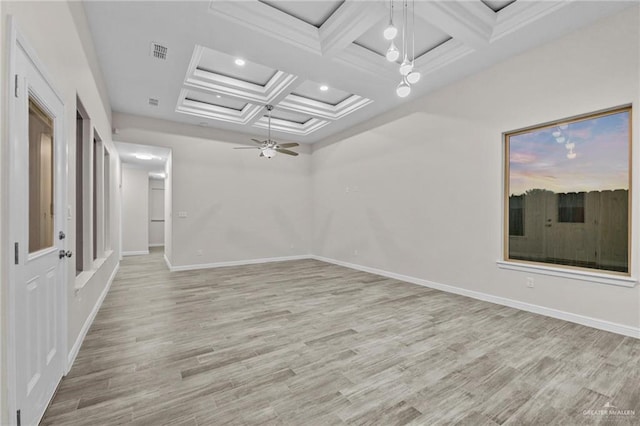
403,90
410,75
413,76
392,53
391,31
405,66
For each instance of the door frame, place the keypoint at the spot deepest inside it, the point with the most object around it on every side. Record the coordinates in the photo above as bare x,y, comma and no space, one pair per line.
16,41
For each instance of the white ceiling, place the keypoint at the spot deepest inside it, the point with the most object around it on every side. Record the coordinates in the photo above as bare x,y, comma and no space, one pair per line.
154,165
291,48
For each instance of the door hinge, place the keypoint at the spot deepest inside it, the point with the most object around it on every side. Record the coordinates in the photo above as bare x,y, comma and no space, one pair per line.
16,249
18,420
16,86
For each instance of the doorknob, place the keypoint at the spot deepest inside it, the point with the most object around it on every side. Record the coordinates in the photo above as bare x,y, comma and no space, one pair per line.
62,254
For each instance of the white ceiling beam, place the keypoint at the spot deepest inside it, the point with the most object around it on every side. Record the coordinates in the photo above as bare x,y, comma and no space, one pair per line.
470,22
348,23
441,56
367,61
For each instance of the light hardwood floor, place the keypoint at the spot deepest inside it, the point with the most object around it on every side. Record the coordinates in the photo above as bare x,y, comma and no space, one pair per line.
309,343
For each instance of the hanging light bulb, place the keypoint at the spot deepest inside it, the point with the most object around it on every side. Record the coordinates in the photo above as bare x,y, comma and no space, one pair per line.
414,76
405,66
392,53
391,31
403,90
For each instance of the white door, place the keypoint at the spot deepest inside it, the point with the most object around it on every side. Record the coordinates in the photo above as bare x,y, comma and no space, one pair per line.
37,198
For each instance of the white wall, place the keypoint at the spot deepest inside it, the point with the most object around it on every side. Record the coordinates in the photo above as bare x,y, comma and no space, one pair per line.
3,224
52,30
425,184
239,206
156,212
135,210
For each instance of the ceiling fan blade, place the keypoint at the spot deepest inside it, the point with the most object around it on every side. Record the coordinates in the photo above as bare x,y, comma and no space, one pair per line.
286,151
246,147
287,145
258,142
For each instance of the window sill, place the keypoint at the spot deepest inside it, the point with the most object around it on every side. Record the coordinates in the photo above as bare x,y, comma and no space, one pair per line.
83,277
595,277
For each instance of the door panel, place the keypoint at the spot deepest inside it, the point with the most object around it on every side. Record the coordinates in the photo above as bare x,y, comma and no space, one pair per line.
37,196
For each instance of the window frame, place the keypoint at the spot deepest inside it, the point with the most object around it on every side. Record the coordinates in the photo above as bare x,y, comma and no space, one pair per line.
83,194
588,274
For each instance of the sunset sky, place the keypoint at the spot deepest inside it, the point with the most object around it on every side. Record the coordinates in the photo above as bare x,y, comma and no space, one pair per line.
538,161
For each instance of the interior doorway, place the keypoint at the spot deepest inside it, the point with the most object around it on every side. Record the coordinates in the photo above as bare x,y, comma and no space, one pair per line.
145,171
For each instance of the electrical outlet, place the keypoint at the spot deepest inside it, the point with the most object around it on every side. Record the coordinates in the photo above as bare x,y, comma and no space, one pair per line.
530,283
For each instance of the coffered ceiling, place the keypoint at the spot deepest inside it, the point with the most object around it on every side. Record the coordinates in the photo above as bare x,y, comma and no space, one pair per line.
320,63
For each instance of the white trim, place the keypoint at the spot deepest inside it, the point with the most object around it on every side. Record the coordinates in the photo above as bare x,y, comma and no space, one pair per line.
235,263
305,105
73,353
156,245
613,327
287,126
221,84
135,253
575,274
166,260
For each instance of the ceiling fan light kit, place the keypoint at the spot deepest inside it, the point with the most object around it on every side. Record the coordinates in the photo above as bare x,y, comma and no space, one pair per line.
269,148
407,68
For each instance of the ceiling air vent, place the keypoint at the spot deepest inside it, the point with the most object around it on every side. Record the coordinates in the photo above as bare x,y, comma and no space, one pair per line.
153,102
158,51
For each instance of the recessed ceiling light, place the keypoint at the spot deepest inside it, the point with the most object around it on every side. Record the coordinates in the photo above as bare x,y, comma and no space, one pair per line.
240,62
218,96
143,156
324,87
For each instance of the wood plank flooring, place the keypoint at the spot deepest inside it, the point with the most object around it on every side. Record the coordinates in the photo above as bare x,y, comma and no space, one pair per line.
309,343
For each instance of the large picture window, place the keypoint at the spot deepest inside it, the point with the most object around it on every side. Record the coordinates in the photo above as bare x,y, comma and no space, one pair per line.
567,192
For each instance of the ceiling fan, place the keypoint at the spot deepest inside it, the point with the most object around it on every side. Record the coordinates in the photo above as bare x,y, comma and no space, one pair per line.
268,148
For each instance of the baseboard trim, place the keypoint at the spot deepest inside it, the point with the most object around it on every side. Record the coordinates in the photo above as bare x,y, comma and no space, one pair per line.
234,263
166,260
135,253
73,353
536,309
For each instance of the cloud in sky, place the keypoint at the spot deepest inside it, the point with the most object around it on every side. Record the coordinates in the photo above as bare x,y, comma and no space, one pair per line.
538,161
